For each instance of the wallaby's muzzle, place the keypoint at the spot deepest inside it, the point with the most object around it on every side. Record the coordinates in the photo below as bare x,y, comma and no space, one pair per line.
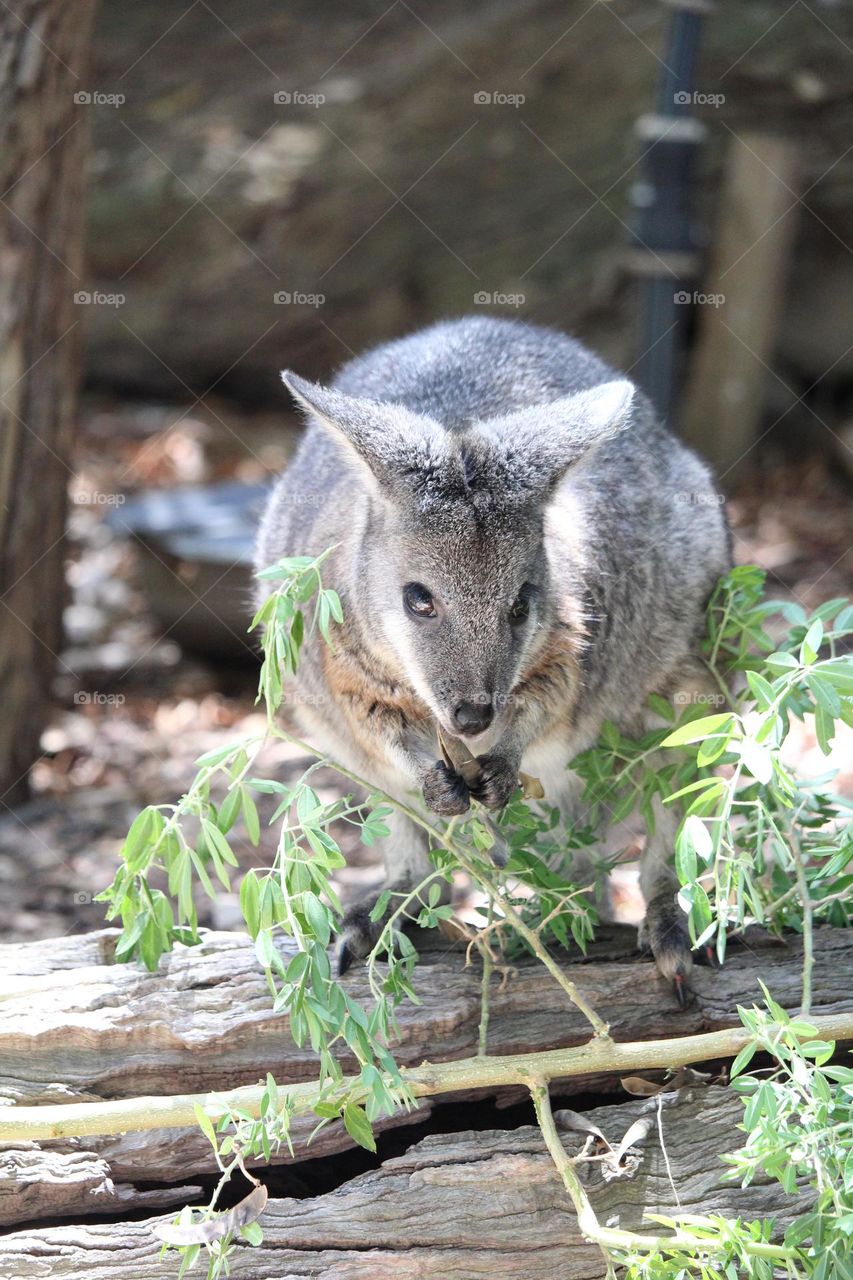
470,718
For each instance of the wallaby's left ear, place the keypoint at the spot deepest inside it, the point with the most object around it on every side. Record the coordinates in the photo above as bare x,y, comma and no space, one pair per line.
541,443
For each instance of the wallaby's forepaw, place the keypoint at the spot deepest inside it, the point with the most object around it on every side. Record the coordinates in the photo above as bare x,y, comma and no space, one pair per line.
664,932
497,782
445,792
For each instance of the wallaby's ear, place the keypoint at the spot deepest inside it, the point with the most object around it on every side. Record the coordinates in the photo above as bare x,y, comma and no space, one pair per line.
540,444
396,448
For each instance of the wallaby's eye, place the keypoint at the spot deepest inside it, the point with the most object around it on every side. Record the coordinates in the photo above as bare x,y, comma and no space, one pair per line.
520,610
418,600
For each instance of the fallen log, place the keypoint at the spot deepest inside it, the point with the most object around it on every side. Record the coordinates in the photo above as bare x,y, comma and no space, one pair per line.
76,1027
461,1206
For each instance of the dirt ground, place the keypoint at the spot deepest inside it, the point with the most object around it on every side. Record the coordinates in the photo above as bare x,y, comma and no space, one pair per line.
132,710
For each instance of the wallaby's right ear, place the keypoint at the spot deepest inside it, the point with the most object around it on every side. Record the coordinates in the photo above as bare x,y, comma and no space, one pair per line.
393,445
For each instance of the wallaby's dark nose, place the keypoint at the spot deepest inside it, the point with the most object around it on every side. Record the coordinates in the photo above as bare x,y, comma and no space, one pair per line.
473,717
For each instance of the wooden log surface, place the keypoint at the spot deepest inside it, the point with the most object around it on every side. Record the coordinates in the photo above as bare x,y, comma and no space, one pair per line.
459,1206
76,1027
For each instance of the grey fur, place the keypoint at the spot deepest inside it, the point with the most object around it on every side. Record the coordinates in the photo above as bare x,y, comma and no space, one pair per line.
475,457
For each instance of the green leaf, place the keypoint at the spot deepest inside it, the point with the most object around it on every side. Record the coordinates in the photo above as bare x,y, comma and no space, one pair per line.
334,604
812,642
205,1123
252,1232
743,1059
136,848
217,842
228,810
695,730
358,1126
761,689
216,756
250,902
265,949
318,918
250,816
702,784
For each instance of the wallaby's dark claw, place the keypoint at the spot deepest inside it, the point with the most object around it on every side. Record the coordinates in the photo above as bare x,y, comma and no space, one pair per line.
682,990
710,954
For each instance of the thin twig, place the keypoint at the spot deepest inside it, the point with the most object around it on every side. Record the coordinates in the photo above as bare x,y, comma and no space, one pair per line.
488,963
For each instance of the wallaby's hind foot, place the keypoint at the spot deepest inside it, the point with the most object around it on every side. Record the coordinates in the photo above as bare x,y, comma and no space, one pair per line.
664,933
359,934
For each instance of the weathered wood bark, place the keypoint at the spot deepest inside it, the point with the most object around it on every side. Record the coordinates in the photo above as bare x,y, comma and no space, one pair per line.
73,1026
457,1206
32,1177
43,46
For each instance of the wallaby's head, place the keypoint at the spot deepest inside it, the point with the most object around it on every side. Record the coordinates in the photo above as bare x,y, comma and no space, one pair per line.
453,575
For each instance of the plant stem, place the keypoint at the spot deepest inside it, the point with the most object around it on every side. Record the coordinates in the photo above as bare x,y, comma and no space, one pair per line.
81,1119
485,991
612,1237
808,927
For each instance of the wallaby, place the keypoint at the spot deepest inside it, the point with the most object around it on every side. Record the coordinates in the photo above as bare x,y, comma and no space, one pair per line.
523,553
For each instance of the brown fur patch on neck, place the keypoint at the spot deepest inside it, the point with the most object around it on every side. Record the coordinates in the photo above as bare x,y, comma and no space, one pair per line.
374,703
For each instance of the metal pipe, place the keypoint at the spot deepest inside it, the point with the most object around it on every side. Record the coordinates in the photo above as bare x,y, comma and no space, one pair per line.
665,250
